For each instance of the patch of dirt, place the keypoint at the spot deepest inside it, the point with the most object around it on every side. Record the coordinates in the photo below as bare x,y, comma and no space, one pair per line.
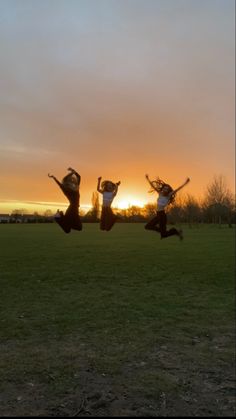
168,381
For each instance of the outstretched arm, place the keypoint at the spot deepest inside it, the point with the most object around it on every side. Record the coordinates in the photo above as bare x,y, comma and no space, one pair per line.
56,180
98,184
116,189
151,183
181,186
73,171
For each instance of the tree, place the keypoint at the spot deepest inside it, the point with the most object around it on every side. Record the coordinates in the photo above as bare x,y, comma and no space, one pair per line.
150,210
175,210
192,210
219,200
93,214
17,214
48,213
134,213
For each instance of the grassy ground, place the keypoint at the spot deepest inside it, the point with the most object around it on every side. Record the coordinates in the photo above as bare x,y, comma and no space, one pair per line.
119,323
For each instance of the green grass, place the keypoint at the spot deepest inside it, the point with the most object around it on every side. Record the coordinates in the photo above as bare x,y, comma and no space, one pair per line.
109,298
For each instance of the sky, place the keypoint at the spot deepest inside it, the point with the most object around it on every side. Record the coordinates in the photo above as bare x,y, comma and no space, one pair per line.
118,89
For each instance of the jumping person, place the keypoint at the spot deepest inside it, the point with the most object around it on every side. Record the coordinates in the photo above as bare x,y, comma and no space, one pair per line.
166,196
108,189
70,187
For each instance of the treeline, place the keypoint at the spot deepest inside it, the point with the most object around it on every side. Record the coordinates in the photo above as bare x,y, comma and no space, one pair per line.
217,207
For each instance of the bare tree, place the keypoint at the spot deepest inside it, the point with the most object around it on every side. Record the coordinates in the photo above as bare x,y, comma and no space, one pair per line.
18,214
219,200
175,210
150,210
48,213
192,210
94,212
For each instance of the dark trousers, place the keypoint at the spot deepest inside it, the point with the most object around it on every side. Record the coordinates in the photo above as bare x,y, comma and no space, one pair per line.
160,219
71,220
108,219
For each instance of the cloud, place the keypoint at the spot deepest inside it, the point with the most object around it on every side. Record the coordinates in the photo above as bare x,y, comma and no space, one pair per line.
115,87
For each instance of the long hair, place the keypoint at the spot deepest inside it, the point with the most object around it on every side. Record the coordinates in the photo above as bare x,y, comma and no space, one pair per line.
159,184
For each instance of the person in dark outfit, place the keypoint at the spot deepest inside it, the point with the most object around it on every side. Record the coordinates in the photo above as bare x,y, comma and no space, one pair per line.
108,190
166,195
70,187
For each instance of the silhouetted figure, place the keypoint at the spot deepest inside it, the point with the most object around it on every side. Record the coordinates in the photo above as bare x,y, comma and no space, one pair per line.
166,195
108,190
70,187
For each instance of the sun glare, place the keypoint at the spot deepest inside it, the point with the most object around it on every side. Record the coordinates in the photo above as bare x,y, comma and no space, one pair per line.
127,203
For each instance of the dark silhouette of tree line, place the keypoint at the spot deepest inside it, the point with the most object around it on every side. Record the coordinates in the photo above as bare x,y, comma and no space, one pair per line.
217,207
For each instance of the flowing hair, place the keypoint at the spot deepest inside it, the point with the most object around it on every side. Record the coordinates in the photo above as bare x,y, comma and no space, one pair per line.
158,185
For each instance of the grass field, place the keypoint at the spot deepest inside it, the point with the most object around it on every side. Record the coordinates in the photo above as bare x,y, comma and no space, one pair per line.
119,323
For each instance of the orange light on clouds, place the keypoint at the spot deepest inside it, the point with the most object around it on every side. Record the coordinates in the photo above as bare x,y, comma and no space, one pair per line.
140,101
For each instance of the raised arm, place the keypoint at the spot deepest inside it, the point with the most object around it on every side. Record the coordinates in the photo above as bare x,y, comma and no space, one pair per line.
181,186
98,184
151,183
56,180
116,188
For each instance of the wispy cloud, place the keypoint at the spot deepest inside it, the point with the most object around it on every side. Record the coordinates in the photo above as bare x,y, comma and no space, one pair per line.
115,88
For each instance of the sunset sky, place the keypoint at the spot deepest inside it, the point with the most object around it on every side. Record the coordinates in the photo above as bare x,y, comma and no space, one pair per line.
114,88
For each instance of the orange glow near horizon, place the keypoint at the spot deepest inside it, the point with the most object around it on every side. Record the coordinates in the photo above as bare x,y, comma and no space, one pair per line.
41,207
125,203
118,93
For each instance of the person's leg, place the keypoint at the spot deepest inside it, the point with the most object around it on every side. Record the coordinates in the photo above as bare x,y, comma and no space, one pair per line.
103,219
162,224
111,219
152,224
77,224
62,222
72,217
166,233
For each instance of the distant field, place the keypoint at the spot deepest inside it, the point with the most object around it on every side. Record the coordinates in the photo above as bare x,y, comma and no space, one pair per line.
119,323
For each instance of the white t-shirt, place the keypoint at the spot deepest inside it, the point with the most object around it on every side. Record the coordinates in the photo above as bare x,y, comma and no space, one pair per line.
163,201
107,198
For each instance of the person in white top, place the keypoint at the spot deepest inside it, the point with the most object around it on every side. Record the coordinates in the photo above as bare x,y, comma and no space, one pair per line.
166,195
108,189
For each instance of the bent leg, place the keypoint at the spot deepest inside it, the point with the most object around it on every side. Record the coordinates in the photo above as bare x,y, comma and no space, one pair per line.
77,225
172,232
62,222
103,219
166,233
72,218
152,224
111,219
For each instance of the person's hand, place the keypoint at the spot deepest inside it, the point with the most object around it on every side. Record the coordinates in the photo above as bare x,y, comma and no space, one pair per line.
147,177
50,175
187,180
100,177
118,183
70,169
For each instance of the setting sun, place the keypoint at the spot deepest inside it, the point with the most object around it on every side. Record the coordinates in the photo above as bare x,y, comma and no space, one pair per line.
129,202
